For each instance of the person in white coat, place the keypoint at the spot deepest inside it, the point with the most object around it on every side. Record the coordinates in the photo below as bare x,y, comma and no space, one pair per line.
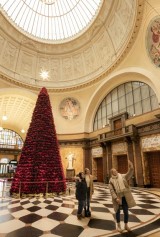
121,195
90,191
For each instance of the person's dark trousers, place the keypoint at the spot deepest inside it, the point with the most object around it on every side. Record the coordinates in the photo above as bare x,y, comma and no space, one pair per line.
81,205
125,211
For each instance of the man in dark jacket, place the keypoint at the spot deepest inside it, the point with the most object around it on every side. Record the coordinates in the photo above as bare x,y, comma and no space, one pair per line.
81,190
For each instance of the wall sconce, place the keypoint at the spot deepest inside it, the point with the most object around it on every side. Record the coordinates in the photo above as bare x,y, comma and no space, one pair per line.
4,117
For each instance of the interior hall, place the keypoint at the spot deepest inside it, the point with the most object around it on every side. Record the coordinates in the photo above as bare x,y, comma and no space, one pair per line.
98,64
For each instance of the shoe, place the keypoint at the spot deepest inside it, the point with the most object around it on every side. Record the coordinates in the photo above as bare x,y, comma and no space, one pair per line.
87,214
127,228
79,216
119,228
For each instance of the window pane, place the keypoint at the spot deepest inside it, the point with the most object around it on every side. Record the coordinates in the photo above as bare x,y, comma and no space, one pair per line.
137,95
115,113
135,85
99,124
154,102
103,103
115,106
122,110
128,87
151,92
95,126
144,92
109,98
129,99
130,110
146,105
114,94
138,108
122,102
104,121
121,90
99,113
103,111
109,111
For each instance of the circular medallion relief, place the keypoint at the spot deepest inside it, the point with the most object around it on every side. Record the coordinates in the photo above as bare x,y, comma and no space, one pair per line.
153,41
69,108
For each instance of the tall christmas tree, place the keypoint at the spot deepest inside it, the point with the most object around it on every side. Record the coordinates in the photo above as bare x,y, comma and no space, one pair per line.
40,168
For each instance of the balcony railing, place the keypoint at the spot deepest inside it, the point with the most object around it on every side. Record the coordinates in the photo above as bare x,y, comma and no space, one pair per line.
124,131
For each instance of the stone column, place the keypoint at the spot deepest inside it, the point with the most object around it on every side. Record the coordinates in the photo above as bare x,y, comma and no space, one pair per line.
109,157
130,148
138,162
87,156
105,173
15,157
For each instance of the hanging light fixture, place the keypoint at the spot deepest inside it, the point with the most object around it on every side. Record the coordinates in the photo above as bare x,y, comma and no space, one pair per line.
44,74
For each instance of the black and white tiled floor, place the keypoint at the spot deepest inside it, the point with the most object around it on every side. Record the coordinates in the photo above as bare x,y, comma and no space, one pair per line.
56,217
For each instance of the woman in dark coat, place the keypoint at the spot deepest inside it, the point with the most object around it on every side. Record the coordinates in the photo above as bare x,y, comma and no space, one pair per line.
81,190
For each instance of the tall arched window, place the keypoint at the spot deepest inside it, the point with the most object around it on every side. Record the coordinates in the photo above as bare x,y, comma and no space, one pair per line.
10,139
133,97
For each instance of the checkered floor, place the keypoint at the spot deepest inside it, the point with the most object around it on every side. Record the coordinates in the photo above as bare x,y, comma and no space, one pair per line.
56,217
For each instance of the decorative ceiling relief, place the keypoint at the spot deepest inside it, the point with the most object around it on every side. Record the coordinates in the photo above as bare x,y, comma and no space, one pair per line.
153,41
9,55
69,108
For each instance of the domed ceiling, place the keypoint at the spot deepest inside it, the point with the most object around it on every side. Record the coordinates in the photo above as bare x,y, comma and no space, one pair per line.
71,55
56,20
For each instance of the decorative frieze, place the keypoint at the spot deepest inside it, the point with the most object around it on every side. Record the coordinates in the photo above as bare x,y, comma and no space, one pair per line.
151,143
119,148
97,152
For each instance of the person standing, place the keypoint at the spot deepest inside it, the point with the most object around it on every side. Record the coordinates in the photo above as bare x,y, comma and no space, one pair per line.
81,190
121,195
90,191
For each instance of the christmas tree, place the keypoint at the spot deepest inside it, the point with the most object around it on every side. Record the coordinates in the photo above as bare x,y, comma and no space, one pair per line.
40,168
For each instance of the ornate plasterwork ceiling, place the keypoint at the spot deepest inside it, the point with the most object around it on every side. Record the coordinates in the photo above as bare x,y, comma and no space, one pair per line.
18,108
77,63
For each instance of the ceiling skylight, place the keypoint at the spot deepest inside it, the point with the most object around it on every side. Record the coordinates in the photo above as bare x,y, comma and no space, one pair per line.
51,19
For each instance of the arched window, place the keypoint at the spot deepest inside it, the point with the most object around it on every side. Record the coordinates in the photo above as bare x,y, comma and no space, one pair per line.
10,139
4,162
133,97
